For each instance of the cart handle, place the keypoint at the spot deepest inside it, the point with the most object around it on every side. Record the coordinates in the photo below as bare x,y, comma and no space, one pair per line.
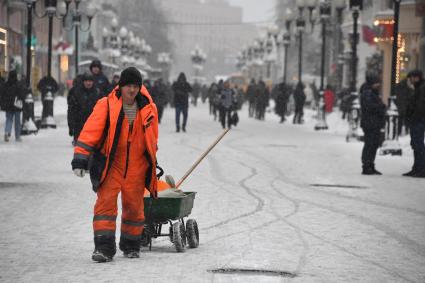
201,158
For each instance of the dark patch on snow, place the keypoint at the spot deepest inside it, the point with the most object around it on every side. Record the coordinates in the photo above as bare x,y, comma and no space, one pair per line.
4,185
248,271
282,145
338,186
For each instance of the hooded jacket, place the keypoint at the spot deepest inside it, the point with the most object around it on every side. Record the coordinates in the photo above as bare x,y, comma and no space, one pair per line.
181,90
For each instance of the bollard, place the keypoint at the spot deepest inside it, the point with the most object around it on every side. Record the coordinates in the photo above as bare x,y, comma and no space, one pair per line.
391,144
28,125
353,118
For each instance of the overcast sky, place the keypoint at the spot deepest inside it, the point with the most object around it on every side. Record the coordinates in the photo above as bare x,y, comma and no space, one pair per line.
256,10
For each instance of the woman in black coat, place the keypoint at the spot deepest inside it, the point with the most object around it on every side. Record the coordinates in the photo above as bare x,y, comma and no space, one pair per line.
12,101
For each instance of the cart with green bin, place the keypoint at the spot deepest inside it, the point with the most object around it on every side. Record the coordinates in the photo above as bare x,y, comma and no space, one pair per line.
172,211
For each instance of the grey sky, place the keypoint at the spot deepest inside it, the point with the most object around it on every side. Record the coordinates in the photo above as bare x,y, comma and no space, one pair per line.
256,10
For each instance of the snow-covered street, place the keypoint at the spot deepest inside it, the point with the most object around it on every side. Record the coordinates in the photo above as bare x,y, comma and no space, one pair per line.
279,199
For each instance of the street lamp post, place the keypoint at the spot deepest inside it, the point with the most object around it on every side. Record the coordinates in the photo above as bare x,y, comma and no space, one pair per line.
76,22
48,85
339,6
28,125
391,144
198,58
301,24
354,113
286,41
325,12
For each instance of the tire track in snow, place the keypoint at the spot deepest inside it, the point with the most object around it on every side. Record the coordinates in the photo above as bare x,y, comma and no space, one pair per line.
258,208
411,244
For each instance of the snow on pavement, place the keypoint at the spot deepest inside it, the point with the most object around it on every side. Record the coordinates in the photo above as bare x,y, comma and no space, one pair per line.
256,206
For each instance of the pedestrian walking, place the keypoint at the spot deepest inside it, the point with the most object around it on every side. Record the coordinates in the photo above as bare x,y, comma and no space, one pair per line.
101,82
212,99
159,96
12,100
124,126
329,99
404,91
372,121
415,114
282,98
226,105
81,102
261,100
181,89
251,93
299,98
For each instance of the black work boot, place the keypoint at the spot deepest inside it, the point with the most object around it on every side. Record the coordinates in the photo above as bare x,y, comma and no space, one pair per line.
411,173
130,248
104,248
376,172
368,169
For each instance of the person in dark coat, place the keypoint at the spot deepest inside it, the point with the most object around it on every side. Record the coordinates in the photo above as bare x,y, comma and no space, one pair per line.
299,98
372,121
81,102
261,100
101,82
415,114
251,93
159,96
12,100
212,94
227,103
404,90
283,93
181,89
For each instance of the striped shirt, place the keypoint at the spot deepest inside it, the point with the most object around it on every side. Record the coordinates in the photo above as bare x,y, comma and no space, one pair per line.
130,112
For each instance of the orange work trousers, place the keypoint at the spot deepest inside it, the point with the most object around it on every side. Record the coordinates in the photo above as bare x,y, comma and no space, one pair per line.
105,210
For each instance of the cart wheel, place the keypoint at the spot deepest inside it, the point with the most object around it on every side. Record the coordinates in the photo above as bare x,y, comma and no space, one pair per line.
192,233
171,233
179,239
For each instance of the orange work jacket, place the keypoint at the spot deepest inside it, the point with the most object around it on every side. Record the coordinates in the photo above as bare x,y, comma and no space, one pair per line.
146,123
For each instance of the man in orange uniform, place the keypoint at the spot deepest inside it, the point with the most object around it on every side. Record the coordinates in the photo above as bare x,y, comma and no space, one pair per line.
129,145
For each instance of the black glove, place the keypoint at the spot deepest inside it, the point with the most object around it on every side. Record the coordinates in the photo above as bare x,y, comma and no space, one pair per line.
78,163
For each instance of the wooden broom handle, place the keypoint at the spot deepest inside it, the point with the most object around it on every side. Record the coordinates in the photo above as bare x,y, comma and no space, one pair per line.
201,158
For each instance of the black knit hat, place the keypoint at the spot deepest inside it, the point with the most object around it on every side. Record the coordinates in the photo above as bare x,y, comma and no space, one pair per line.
372,77
130,76
96,63
87,77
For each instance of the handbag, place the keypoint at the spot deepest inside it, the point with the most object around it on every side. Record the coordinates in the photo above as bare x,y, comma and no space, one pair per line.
98,159
18,103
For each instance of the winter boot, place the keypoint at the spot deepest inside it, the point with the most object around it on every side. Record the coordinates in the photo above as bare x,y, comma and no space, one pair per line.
368,169
376,172
105,248
6,138
411,173
419,174
130,248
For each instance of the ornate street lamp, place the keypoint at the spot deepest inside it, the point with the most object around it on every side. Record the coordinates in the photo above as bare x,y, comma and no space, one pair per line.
76,21
28,125
164,60
48,85
340,6
301,25
354,113
198,58
325,13
391,144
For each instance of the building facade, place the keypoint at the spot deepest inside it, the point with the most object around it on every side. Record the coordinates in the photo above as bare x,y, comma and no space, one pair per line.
214,25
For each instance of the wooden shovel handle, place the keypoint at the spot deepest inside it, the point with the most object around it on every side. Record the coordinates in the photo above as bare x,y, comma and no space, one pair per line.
201,158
